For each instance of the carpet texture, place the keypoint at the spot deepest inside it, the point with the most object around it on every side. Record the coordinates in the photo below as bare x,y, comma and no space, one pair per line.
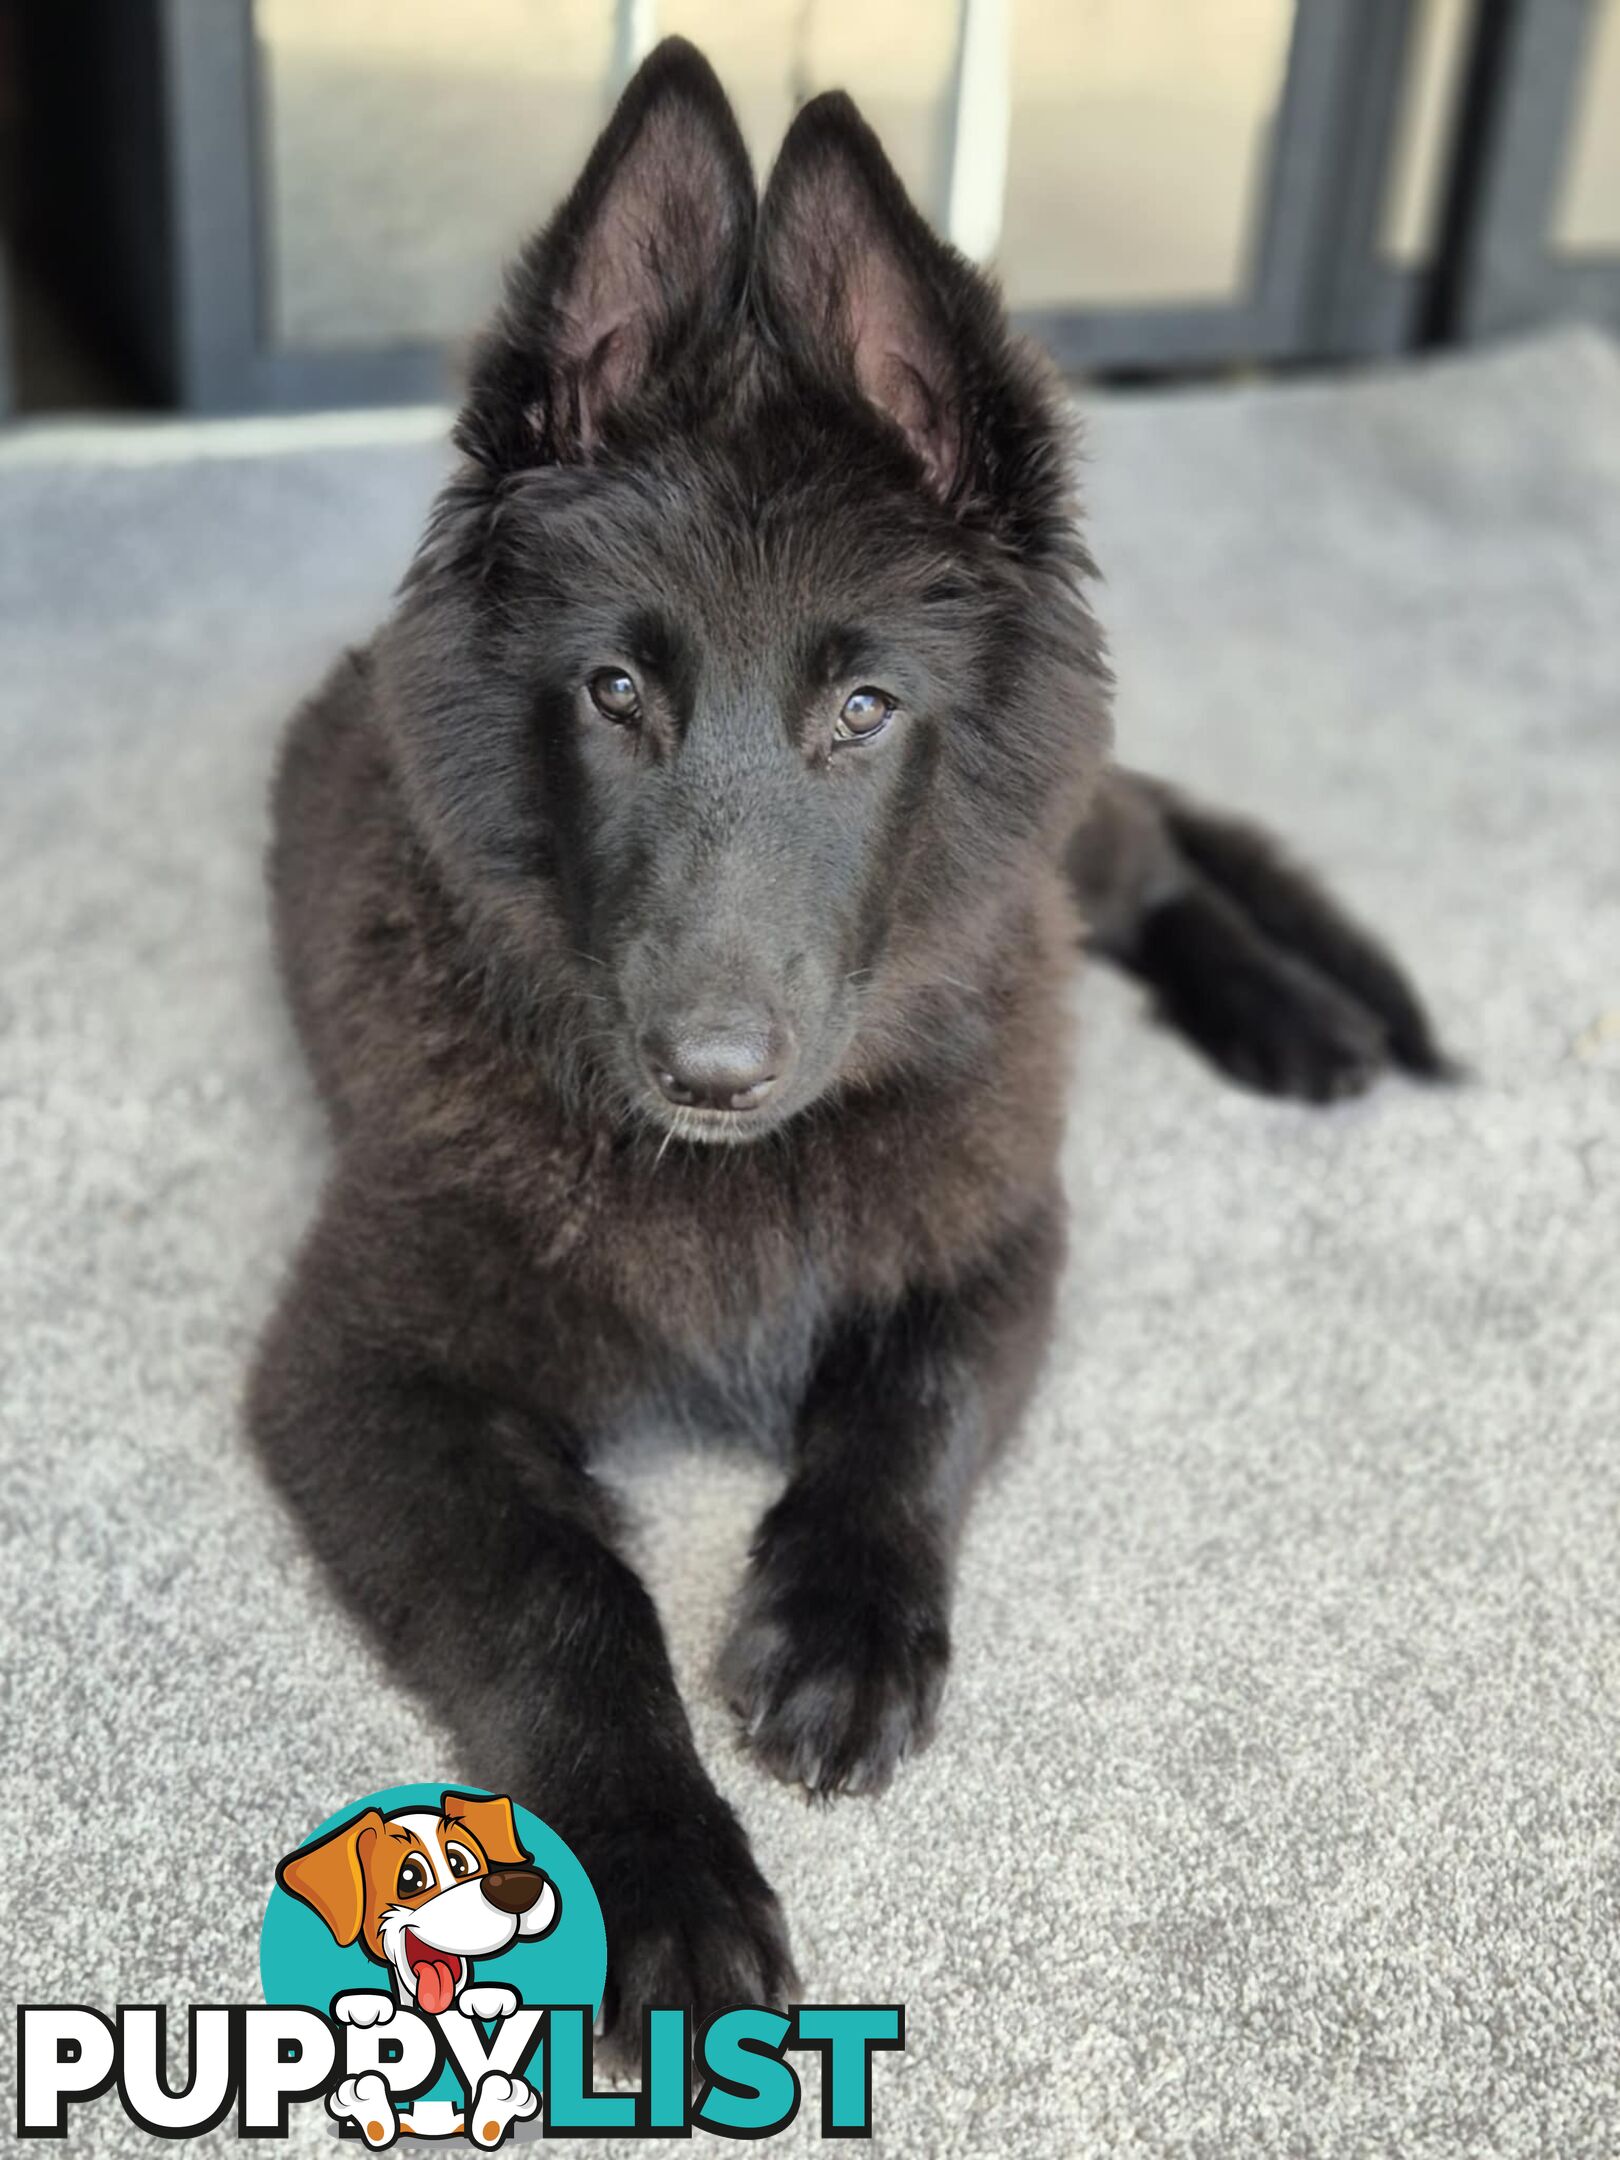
1275,1809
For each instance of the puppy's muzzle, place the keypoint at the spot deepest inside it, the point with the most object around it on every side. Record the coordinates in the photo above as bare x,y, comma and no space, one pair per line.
513,1890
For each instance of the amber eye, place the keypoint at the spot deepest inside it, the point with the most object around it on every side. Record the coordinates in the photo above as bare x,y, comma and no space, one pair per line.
865,714
414,1877
615,695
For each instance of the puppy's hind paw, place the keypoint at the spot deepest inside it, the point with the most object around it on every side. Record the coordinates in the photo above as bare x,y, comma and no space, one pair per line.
1213,954
1266,1018
367,2103
499,2102
1285,1032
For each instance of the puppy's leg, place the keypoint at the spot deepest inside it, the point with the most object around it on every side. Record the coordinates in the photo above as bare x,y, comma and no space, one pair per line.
467,1532
1245,953
837,1653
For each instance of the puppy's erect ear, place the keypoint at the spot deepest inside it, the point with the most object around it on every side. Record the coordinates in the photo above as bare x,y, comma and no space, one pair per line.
853,283
850,270
492,1823
329,1876
650,250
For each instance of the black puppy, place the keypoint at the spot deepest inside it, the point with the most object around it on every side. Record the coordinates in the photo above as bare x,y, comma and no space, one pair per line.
676,901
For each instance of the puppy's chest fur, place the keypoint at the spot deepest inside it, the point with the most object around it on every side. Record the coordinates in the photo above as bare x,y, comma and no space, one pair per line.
695,1289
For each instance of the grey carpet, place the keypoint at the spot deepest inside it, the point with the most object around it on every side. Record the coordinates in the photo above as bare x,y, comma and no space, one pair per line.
1276,1806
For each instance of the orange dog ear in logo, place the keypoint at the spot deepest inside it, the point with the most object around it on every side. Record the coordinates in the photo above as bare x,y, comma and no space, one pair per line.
330,1875
492,1823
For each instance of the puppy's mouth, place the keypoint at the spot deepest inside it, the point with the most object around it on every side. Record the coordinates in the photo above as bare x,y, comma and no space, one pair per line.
710,1128
437,1973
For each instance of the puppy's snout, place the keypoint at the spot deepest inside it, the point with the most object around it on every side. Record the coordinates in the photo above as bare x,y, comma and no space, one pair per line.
718,1061
514,1890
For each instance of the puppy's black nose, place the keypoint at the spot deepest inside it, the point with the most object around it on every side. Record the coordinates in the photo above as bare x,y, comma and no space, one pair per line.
723,1063
514,1890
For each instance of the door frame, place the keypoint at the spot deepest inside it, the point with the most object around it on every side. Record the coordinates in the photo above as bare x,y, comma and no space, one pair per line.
1507,277
1319,289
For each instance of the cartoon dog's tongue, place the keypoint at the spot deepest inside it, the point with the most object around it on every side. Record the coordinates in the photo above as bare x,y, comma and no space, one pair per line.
436,1974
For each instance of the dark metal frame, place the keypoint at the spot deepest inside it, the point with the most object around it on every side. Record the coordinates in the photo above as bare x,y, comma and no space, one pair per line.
1319,289
1505,275
226,359
7,391
1366,305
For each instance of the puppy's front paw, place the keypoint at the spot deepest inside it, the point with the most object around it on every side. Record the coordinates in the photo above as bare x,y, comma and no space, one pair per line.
489,2001
690,1921
836,1658
366,2006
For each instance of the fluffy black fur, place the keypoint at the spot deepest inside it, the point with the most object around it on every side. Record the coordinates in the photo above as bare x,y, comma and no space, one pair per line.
676,902
1244,951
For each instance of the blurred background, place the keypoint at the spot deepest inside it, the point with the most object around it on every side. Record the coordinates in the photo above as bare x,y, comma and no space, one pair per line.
246,205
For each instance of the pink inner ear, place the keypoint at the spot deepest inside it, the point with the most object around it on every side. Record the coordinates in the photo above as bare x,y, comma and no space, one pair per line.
606,337
608,372
901,363
845,271
927,423
656,247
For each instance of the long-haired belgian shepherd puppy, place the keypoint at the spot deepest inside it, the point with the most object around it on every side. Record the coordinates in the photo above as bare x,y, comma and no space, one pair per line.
677,899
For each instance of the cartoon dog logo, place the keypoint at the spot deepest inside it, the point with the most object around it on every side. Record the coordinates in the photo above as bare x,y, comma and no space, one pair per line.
424,1891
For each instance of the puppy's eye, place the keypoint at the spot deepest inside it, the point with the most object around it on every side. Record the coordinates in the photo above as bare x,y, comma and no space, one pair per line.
461,1861
414,1877
865,713
615,695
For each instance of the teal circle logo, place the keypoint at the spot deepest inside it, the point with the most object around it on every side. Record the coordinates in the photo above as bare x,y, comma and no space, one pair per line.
498,1899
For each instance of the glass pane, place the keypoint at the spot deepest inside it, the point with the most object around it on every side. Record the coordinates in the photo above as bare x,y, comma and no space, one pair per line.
411,144
1139,155
1418,159
1586,215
